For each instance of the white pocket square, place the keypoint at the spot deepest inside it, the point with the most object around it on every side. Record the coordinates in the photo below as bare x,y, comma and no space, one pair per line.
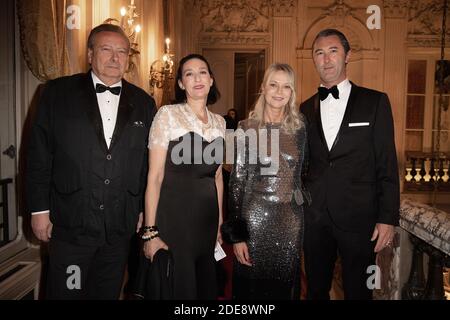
358,124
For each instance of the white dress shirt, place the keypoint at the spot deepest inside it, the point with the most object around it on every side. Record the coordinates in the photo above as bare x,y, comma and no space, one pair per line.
108,104
332,112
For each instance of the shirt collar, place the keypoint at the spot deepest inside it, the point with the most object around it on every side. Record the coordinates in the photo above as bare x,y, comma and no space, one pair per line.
97,80
341,85
345,85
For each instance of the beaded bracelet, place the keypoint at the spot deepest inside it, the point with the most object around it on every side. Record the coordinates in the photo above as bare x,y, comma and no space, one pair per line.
150,238
150,228
149,235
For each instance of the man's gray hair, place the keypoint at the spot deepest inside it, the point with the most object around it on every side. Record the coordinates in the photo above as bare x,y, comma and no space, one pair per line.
106,27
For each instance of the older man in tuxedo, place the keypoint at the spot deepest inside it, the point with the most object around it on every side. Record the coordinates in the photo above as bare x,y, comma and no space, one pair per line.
86,170
352,175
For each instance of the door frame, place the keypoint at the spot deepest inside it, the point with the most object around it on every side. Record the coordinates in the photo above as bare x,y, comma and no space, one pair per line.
16,115
240,49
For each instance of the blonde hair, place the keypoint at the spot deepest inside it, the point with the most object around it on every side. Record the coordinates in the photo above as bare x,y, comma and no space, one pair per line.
292,120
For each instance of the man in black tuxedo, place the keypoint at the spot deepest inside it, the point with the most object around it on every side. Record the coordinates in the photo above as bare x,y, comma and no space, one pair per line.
352,175
86,170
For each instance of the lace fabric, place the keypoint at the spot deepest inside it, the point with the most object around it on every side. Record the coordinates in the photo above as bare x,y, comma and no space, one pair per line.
173,121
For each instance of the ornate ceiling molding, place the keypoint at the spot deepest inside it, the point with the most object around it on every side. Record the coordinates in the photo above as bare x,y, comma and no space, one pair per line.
235,39
339,11
425,23
232,15
395,8
236,22
426,42
239,16
284,8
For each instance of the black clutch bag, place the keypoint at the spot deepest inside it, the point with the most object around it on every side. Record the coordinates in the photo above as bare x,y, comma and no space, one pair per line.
154,280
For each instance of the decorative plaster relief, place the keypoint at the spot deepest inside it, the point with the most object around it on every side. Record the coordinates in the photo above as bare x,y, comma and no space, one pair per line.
425,23
425,17
395,8
239,16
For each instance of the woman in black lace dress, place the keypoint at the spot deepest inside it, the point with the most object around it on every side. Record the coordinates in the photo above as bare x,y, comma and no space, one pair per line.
183,201
266,198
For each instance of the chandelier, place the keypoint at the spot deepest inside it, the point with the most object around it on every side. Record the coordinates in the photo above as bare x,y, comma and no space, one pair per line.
131,29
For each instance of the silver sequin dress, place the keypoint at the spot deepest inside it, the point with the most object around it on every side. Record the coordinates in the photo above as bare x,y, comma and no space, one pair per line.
267,203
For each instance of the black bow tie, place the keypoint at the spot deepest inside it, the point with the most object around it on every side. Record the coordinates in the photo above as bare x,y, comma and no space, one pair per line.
324,92
100,88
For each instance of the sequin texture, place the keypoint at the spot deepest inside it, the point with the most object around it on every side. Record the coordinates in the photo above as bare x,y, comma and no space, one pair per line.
265,201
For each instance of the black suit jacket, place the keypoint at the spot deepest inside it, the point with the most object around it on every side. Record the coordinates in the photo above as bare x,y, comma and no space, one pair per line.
357,181
93,192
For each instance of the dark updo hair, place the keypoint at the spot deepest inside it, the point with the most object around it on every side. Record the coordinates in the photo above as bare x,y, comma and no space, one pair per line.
180,95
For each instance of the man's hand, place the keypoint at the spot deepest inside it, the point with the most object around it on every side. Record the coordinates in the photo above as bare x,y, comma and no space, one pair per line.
385,235
139,224
42,227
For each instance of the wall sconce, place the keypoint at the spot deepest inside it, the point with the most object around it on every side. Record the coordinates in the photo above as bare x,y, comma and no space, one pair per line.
161,74
127,23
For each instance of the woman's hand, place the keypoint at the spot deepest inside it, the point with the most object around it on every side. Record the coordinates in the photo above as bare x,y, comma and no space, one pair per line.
241,252
219,237
152,246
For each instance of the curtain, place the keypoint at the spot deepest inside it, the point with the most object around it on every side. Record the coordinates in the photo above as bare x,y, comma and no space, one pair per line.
43,37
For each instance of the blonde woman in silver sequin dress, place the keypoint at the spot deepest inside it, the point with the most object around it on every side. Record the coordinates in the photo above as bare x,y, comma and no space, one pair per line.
265,221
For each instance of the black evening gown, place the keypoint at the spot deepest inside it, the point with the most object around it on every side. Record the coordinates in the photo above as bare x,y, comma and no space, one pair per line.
187,215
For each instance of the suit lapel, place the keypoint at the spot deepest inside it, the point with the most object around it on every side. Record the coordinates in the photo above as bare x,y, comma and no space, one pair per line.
123,114
90,103
347,114
319,122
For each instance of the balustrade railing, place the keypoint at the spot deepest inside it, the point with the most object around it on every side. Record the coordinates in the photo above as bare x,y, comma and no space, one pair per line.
426,171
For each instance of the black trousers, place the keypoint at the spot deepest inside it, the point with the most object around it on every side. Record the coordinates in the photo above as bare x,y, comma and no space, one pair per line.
323,242
86,272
